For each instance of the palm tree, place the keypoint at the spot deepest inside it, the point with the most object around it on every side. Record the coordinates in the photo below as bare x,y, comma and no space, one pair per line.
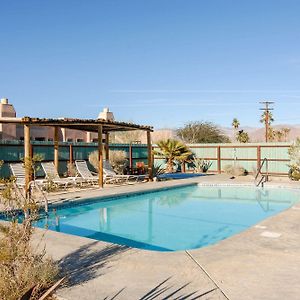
172,150
271,134
279,135
267,115
267,119
286,132
235,124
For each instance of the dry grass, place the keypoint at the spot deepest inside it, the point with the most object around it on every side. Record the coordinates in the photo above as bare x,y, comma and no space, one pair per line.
22,267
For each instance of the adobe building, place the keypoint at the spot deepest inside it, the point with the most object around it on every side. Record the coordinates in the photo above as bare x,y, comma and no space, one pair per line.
38,133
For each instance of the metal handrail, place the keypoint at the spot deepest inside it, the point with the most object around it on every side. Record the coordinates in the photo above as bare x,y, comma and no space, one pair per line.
264,177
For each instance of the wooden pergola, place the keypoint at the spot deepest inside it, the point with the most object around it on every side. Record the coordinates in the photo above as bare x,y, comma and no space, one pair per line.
99,126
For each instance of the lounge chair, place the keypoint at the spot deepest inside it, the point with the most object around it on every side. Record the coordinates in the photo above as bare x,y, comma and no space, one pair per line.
18,172
112,175
85,173
52,174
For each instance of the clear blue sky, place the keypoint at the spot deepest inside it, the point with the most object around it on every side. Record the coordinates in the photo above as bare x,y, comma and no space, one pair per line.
160,63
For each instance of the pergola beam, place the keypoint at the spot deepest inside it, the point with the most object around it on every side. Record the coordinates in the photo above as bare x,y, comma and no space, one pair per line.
77,124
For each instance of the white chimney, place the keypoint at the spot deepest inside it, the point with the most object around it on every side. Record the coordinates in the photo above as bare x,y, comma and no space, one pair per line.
106,115
4,101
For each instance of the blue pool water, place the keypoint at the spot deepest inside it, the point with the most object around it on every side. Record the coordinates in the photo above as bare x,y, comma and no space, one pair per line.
179,175
175,219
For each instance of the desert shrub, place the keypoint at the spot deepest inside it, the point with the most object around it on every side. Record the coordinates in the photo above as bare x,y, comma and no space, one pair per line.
200,165
117,159
294,154
22,266
157,170
71,170
294,173
202,132
236,170
33,164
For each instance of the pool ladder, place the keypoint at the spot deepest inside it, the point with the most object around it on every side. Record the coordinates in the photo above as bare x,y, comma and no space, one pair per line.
260,181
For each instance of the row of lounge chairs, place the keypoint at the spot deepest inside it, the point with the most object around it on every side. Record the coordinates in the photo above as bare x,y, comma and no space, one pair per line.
85,176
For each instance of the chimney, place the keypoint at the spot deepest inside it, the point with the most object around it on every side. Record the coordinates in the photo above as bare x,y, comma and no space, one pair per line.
4,101
7,131
106,115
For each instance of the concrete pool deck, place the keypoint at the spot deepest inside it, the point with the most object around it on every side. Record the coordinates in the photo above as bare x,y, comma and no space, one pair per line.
262,262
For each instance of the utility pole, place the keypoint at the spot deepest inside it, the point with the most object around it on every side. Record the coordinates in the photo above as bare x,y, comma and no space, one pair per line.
267,110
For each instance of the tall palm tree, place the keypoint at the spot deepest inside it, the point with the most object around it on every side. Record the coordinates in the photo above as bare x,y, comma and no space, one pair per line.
267,116
286,132
172,150
235,124
267,119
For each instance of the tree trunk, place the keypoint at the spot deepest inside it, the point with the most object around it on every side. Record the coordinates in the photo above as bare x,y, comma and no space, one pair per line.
170,166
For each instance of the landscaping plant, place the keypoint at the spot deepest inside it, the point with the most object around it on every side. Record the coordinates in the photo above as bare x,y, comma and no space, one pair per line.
201,165
172,151
24,269
294,153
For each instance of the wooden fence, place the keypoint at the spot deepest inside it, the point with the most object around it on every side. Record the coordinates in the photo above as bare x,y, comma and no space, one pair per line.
248,156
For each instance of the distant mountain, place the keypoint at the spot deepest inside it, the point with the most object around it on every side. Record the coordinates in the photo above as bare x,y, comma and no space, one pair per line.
255,134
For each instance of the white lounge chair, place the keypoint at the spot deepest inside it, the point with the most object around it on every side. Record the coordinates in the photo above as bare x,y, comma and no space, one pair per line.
85,172
52,174
18,171
112,175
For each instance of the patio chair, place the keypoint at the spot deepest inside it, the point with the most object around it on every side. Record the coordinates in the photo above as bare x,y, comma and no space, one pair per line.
18,171
112,175
85,173
52,174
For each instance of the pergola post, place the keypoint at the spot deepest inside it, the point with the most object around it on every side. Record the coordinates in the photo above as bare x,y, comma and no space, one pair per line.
56,148
150,162
71,153
31,159
130,157
100,157
107,146
27,157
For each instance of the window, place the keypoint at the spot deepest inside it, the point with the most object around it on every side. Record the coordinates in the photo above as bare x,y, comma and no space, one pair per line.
69,140
41,139
79,140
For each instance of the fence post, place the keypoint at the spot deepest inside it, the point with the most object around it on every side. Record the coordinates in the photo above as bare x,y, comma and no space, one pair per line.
219,159
258,157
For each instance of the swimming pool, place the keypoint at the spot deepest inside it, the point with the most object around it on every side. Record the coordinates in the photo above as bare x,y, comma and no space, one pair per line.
175,219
